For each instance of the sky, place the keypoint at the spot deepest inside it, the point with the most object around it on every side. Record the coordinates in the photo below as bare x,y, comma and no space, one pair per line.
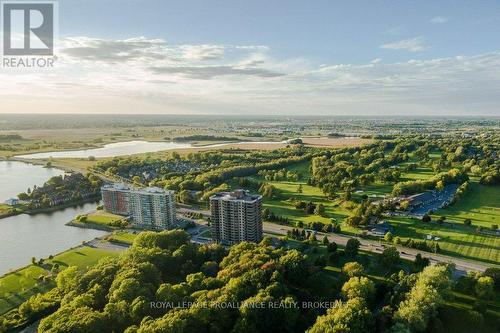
267,57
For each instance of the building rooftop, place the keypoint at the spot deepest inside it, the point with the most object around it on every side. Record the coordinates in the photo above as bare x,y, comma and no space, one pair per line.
420,198
116,186
125,187
152,190
237,195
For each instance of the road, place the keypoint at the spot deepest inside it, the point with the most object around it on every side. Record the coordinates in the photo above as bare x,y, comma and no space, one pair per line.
462,266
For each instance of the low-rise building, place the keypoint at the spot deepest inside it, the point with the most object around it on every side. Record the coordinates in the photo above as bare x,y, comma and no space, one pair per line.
236,217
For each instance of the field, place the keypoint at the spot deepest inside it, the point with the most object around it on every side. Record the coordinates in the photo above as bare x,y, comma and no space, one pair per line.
122,237
103,218
282,206
17,287
481,204
82,257
458,240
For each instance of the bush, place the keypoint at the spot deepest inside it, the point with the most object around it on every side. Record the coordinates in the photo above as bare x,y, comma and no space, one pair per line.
468,222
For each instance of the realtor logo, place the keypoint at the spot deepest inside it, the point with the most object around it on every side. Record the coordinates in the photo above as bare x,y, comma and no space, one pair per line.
28,28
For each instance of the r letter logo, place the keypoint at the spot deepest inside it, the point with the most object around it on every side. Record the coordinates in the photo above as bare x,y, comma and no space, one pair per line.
28,28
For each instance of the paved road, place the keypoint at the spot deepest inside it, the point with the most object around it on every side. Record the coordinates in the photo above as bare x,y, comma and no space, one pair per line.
462,266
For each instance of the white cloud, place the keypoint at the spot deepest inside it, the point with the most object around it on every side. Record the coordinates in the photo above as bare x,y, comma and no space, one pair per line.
439,19
202,52
143,75
415,44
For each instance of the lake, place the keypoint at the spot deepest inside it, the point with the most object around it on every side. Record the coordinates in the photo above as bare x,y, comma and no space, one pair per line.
17,177
130,148
112,149
25,236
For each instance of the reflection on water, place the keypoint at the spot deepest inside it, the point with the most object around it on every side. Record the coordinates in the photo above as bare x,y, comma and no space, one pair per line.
113,149
129,148
25,236
17,177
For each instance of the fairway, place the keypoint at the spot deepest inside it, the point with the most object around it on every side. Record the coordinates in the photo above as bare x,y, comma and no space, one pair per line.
282,205
17,287
456,241
481,204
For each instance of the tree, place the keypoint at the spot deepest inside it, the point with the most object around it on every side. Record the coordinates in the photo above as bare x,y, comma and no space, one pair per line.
388,237
325,240
421,262
352,269
494,273
468,222
352,247
485,287
358,287
319,210
440,185
426,218
299,189
389,258
424,298
352,316
332,247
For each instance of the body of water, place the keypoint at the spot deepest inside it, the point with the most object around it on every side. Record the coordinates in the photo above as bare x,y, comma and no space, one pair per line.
128,148
25,236
17,177
112,149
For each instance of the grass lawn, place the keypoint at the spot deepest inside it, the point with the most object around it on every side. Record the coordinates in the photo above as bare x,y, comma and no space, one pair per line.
481,204
104,218
456,241
82,257
419,173
283,206
17,287
122,237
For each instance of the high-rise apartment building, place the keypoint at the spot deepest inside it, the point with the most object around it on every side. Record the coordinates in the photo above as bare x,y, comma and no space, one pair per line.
236,217
151,208
115,198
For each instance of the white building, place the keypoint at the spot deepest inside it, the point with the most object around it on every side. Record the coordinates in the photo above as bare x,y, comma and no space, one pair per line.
152,208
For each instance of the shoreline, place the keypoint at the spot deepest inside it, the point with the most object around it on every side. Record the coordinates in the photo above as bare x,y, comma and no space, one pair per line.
52,209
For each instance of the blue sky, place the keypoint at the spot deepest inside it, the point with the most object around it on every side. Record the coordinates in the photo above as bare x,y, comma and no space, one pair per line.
326,57
324,31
